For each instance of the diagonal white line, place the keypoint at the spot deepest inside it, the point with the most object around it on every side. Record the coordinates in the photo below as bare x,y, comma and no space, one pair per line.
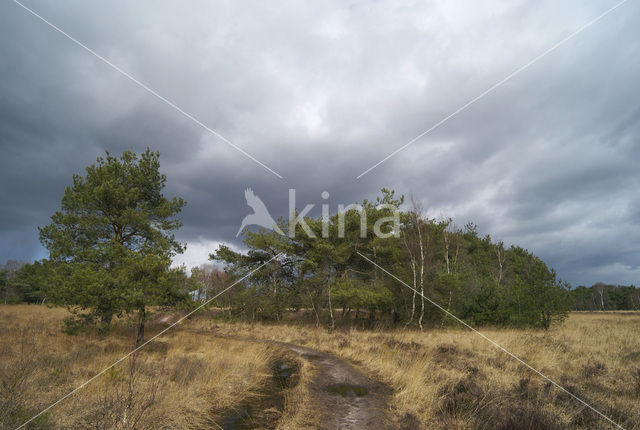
494,86
154,93
79,387
493,342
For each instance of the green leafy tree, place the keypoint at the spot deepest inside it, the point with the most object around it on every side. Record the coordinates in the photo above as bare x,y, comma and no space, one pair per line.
8,290
266,292
4,288
602,296
112,241
355,294
467,274
535,296
31,280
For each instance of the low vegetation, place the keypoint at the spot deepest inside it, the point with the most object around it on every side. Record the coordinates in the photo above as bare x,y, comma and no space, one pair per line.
185,380
195,376
452,378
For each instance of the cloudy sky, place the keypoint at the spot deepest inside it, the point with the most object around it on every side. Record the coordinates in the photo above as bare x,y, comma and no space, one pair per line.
321,91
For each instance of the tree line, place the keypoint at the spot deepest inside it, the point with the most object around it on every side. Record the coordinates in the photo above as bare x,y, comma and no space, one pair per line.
112,242
606,297
472,277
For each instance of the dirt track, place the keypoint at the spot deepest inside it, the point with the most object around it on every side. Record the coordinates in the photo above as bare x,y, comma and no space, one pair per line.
346,398
349,399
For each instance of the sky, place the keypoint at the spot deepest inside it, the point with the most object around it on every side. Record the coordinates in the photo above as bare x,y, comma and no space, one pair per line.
321,91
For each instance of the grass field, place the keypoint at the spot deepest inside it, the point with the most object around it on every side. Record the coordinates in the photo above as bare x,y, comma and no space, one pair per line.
180,381
453,378
448,378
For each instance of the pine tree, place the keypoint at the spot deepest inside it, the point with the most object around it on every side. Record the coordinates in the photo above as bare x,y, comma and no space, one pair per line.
112,240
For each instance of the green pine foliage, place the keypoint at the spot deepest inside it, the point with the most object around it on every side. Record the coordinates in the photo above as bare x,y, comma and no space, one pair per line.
606,297
111,243
471,276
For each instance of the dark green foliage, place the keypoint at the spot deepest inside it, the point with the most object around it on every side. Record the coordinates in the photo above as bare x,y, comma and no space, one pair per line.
356,294
474,278
110,246
4,287
112,242
529,294
30,281
606,297
9,292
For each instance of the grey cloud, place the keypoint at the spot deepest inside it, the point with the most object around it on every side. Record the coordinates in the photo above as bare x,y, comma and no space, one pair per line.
320,92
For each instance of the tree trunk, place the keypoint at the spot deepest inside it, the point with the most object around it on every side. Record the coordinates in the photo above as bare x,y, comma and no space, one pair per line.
313,306
395,317
142,316
375,260
445,315
415,285
445,237
105,322
455,259
602,300
333,323
501,259
421,271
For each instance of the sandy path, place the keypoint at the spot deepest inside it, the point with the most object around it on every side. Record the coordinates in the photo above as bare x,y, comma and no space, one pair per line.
349,411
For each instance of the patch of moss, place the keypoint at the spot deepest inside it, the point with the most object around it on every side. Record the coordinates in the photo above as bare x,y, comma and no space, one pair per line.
344,389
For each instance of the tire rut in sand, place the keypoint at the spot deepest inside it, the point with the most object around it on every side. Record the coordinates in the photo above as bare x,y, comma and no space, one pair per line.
347,398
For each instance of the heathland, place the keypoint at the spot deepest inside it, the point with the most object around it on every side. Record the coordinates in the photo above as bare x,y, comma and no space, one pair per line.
203,371
360,319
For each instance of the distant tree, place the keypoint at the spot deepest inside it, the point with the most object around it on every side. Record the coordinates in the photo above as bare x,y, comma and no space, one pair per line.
12,266
582,298
4,288
30,281
601,296
629,297
601,288
208,280
112,240
8,290
266,293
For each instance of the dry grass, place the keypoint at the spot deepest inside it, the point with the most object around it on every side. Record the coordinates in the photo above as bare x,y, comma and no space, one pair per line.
453,378
182,380
447,378
301,412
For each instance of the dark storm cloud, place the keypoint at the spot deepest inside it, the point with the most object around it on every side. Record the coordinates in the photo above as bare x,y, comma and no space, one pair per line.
319,92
